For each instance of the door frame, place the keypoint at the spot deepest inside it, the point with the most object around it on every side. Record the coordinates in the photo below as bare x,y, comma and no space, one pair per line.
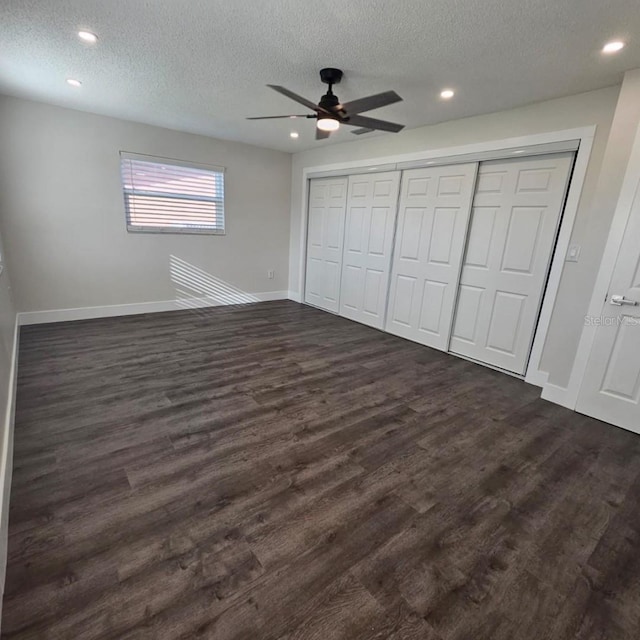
569,397
579,140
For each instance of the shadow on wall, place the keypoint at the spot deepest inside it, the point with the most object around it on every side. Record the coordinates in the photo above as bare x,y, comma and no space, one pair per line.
196,288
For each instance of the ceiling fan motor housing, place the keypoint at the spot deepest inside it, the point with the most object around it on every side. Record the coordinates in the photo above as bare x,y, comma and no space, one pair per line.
329,101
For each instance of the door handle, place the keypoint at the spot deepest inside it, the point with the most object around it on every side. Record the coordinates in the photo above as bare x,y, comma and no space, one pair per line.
620,300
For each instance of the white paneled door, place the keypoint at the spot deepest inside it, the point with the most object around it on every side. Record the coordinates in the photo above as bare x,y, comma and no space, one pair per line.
610,388
514,220
325,236
433,216
368,241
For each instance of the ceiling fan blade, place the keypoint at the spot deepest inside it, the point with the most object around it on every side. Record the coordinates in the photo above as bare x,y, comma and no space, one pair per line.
371,102
362,130
373,123
322,135
295,96
272,117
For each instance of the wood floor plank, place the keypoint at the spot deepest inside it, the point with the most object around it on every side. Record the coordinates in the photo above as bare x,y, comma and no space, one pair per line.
273,472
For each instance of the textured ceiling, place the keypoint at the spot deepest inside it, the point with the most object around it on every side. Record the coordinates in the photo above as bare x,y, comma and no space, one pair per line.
202,65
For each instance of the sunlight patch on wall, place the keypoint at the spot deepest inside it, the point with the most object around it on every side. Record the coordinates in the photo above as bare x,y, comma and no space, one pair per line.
195,288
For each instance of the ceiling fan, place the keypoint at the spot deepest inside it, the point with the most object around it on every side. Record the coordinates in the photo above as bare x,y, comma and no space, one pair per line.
330,113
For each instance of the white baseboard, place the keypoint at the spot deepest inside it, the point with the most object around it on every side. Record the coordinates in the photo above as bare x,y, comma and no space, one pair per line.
558,395
295,296
6,457
87,313
537,378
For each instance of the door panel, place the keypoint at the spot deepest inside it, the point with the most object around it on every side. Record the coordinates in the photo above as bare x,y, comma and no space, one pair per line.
505,321
327,206
372,291
523,235
610,389
514,221
432,222
433,300
371,213
622,373
468,311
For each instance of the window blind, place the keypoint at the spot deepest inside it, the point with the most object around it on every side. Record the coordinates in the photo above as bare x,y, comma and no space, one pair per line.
171,196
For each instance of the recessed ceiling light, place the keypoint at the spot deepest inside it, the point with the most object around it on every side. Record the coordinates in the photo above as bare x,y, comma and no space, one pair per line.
73,82
294,134
519,151
612,47
447,94
87,36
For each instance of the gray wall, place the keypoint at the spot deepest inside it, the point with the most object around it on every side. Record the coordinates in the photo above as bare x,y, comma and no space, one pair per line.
7,326
593,108
62,207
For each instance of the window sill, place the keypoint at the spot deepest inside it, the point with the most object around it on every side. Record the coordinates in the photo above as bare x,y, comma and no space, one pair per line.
205,232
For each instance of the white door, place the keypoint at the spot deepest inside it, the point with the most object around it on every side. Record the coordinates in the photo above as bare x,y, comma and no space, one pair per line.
515,217
325,236
372,202
610,388
433,217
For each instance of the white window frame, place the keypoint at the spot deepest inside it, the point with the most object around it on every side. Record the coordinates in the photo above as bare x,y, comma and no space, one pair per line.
216,231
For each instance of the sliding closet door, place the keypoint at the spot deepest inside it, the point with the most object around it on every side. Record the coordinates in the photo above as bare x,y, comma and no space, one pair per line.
515,217
432,224
371,212
325,235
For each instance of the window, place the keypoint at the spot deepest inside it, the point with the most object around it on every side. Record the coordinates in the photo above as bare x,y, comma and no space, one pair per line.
170,196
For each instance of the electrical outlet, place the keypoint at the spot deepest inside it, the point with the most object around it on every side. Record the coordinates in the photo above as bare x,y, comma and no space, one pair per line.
270,274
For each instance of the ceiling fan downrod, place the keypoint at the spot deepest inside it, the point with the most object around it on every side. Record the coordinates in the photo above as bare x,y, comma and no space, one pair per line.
330,76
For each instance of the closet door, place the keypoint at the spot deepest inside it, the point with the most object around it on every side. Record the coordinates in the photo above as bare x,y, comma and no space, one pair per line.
432,224
516,212
325,236
371,213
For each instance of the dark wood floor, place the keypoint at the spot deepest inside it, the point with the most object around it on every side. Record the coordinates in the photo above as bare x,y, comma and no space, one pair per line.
271,471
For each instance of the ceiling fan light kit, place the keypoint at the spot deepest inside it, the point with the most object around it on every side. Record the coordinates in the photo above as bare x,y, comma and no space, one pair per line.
330,113
328,124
